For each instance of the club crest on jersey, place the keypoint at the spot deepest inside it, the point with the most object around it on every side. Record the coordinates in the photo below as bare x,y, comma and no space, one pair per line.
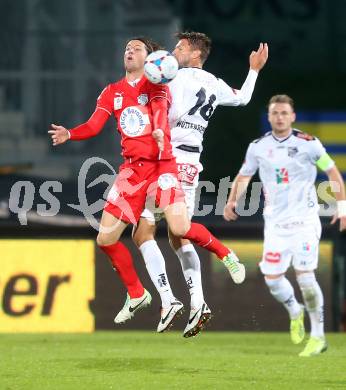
281,176
133,121
142,99
118,102
292,151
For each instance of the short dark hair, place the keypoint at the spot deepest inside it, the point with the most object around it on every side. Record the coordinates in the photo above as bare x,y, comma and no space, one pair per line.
198,41
281,99
150,45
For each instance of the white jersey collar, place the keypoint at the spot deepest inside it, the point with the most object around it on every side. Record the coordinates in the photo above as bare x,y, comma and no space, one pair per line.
282,139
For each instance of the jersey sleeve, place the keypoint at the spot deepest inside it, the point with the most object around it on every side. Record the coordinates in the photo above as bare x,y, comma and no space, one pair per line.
159,109
159,91
229,96
105,100
90,128
250,165
319,155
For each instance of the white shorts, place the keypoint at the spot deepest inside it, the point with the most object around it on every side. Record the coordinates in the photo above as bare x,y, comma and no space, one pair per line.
298,244
155,214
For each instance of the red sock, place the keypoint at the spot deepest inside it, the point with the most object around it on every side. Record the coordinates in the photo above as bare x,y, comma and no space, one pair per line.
121,260
201,236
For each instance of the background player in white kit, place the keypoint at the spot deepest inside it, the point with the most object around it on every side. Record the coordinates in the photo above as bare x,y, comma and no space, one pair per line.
286,159
195,95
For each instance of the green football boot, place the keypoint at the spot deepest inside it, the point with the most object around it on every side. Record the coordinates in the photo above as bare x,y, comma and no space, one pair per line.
235,268
314,346
297,329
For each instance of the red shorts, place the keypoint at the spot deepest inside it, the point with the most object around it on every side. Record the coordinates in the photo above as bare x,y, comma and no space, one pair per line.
140,182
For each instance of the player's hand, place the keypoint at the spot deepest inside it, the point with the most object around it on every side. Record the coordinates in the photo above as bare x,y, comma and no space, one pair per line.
259,58
229,213
342,226
59,134
158,136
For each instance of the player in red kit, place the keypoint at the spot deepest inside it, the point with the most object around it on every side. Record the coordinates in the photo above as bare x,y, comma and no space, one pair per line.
149,171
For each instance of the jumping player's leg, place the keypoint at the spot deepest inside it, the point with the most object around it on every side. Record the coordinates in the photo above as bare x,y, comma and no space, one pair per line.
120,257
170,197
144,238
180,226
184,249
191,267
200,313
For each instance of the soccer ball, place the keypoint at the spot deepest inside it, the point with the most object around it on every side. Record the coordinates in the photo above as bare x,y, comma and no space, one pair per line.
160,67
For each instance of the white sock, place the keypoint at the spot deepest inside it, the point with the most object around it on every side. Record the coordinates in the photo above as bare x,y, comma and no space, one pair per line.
313,299
191,267
156,268
282,290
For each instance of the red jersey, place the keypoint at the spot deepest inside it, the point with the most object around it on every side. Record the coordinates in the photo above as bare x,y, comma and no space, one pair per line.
131,108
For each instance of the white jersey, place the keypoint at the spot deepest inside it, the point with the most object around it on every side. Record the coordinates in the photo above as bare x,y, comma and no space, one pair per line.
195,95
287,169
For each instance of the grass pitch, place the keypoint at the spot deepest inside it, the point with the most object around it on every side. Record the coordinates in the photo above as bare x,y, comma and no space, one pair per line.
146,360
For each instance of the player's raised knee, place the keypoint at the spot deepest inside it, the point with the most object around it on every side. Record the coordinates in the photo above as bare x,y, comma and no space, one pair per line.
104,239
179,230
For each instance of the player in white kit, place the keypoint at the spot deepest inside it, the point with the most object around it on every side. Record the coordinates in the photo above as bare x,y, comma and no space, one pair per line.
195,95
286,159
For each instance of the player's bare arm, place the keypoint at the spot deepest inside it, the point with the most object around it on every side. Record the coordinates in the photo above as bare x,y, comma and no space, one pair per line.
59,134
259,58
239,187
338,184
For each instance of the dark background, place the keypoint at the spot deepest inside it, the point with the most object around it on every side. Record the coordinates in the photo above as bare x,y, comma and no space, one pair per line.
57,56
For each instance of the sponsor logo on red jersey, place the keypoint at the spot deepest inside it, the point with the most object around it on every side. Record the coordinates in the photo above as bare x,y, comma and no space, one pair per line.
143,99
133,121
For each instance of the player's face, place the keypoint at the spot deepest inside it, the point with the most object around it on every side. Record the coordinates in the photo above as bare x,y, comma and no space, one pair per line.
134,56
183,52
281,116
